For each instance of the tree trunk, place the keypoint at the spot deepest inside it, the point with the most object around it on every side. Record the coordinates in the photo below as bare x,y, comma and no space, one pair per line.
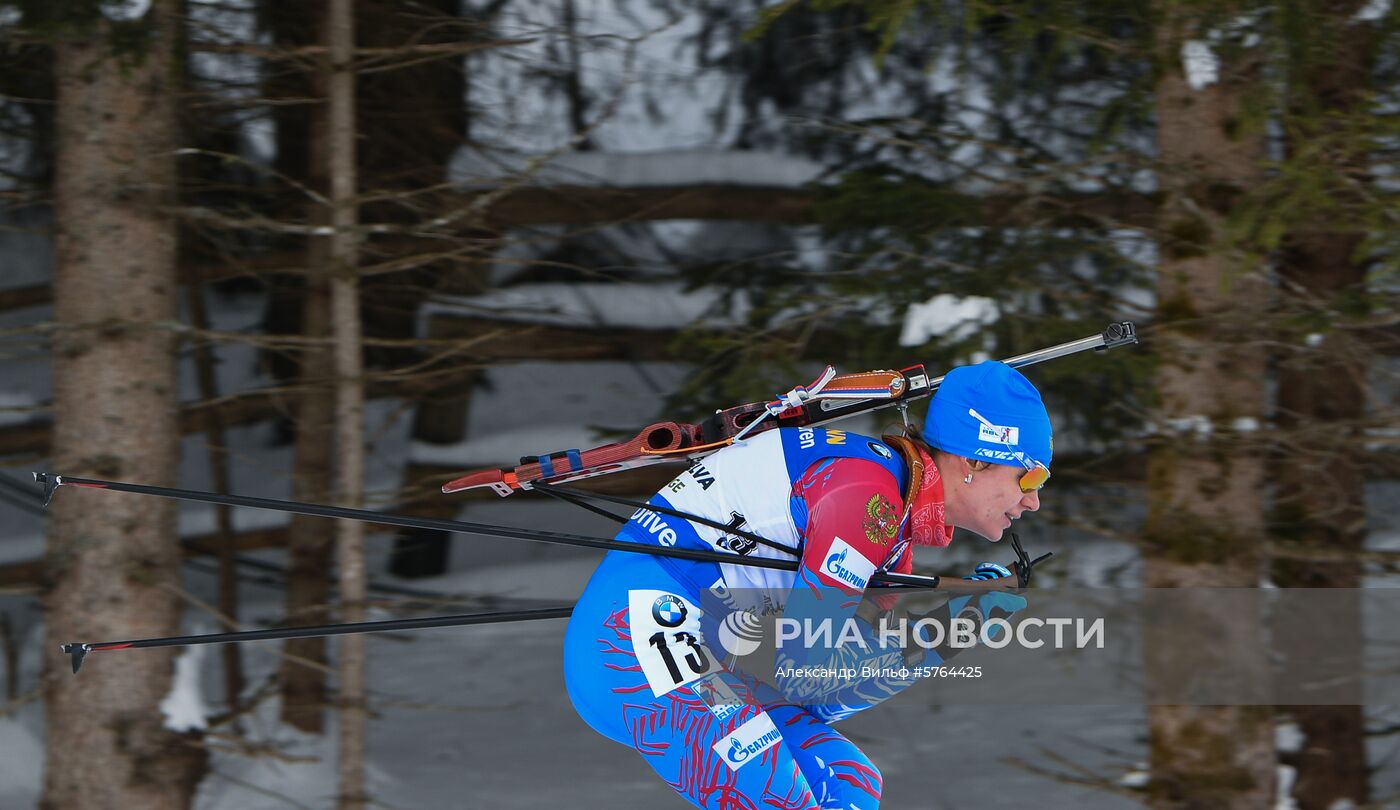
1321,505
311,541
1206,489
301,144
231,654
113,560
339,77
1321,396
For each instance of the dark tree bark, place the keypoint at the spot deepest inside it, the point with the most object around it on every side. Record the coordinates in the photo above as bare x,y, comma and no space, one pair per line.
302,305
1206,497
114,561
311,544
1321,396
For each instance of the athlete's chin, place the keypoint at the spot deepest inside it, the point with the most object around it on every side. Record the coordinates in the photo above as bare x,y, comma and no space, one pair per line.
992,535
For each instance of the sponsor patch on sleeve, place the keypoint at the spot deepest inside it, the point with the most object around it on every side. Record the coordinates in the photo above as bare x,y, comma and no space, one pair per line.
747,742
845,566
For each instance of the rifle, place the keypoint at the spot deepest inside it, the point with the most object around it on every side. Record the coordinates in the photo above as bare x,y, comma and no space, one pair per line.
826,399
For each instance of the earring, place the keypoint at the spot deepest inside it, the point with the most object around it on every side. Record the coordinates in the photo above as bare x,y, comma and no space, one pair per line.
968,479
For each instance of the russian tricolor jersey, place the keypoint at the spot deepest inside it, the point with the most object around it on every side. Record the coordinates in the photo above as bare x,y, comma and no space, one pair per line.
749,486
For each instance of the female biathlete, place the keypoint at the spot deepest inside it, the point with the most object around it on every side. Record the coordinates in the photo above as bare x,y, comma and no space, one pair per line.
642,665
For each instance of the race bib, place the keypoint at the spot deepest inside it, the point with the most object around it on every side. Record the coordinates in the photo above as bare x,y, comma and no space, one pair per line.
665,636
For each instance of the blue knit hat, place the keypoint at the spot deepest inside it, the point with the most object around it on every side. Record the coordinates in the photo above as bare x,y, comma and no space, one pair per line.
1013,418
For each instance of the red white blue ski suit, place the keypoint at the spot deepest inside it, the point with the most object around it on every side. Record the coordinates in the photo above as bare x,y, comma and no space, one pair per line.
638,674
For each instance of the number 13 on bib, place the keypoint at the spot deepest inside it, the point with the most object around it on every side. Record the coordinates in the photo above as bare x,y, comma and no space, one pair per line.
666,637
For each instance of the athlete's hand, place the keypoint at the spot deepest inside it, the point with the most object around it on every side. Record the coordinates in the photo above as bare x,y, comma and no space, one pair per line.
968,611
989,570
980,607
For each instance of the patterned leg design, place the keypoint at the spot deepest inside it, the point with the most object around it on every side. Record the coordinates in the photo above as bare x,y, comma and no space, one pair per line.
719,740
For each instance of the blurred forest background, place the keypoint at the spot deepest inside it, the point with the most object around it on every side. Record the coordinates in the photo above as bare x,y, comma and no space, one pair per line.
300,249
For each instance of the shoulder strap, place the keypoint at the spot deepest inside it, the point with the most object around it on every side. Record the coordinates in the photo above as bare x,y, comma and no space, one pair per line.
915,460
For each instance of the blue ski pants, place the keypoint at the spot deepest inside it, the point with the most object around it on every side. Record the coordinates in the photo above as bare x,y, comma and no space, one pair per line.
720,739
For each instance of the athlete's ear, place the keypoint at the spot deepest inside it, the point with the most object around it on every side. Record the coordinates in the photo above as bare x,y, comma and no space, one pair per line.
975,464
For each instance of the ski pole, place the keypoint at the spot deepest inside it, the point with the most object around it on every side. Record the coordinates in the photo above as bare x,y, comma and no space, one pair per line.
51,483
78,650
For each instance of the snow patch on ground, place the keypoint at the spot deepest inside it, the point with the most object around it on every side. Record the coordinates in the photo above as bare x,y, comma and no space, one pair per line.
289,768
21,765
1287,777
947,316
184,706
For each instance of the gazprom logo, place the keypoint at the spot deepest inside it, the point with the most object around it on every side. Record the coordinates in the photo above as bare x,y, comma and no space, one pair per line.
847,565
748,741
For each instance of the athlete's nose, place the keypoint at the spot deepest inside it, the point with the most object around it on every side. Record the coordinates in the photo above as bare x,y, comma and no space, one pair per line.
1031,500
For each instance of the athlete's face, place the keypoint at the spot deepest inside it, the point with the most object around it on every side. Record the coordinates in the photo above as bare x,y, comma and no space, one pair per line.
992,501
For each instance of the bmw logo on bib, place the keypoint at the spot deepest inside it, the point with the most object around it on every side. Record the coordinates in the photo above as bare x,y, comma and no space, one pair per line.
668,611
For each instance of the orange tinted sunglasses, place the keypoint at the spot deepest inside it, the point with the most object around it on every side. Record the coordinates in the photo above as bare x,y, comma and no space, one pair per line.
1036,474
